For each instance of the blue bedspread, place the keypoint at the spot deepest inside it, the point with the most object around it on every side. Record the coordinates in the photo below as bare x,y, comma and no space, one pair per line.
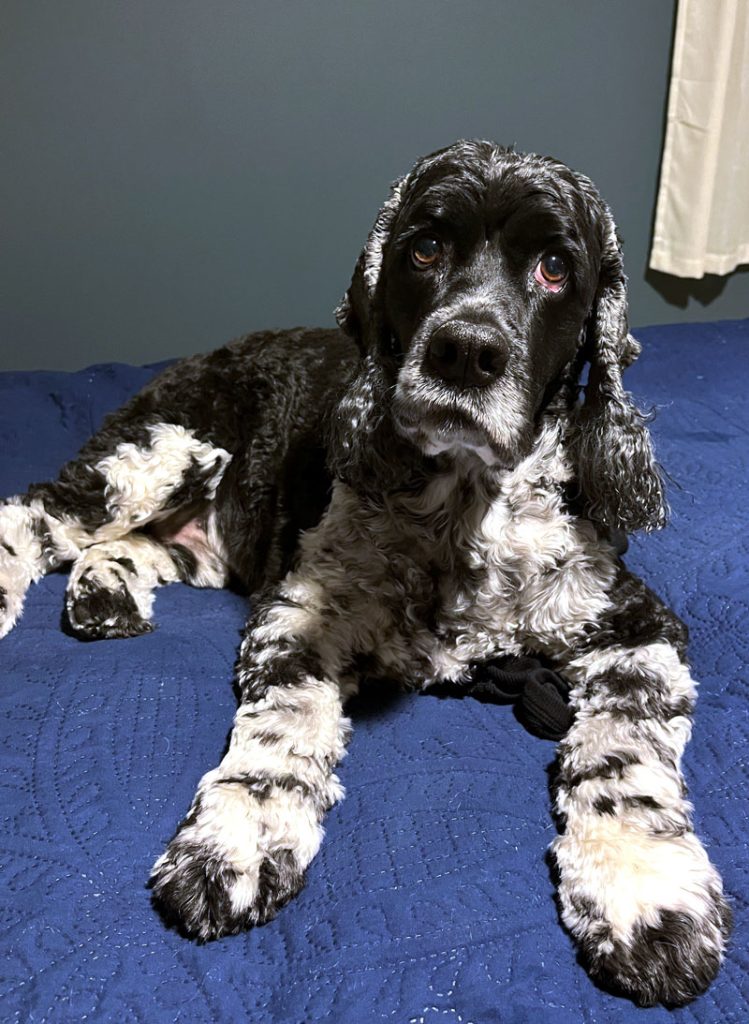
430,901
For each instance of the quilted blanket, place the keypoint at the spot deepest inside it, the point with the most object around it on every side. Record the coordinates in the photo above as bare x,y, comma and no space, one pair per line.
431,901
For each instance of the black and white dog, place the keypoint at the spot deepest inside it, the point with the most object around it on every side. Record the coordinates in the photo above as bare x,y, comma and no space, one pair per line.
474,494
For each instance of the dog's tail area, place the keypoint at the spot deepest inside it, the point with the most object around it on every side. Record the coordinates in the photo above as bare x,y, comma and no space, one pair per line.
32,543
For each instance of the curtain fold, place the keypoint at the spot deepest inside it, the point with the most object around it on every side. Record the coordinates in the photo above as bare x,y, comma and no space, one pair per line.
702,213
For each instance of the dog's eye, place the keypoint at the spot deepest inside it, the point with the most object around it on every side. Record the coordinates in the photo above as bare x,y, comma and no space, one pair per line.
425,251
552,272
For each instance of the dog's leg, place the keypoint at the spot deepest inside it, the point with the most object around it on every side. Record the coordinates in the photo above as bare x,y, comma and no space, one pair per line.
255,822
114,486
636,886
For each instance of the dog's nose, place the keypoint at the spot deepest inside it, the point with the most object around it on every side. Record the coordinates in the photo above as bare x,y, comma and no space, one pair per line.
466,355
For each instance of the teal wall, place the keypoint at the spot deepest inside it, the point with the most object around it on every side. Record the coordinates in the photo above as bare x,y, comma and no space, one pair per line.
175,172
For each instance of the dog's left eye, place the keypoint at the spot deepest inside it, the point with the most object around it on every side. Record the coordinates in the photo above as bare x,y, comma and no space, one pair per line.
425,251
552,272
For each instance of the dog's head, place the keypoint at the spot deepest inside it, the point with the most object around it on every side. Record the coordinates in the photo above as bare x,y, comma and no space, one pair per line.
487,281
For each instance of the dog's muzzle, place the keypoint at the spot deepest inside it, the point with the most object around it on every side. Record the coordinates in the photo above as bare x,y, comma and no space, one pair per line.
465,355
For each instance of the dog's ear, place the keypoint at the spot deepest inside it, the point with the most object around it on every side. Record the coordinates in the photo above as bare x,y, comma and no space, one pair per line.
618,476
359,312
364,450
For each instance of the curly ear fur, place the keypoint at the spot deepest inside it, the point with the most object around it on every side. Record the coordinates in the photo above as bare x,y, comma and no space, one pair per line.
619,478
358,314
365,450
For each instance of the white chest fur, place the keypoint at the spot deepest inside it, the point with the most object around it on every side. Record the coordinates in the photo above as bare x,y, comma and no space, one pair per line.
475,563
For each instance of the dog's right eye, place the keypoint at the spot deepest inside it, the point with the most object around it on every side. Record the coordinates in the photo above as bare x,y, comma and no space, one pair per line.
425,251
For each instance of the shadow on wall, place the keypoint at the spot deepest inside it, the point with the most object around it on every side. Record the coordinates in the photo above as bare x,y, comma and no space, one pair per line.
677,291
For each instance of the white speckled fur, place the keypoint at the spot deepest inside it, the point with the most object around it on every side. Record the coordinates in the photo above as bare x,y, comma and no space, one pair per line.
24,557
153,567
140,480
539,575
387,549
293,735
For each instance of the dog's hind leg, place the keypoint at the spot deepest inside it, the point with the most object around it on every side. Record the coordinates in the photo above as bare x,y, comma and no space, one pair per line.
129,475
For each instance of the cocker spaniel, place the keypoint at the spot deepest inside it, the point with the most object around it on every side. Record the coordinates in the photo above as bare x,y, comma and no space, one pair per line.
476,487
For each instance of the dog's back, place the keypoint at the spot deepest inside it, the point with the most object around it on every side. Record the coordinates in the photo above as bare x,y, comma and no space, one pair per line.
208,474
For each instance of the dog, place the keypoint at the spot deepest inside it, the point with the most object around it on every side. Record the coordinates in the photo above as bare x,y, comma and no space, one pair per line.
424,489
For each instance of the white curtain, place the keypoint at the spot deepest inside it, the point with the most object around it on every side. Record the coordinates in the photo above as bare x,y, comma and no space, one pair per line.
702,216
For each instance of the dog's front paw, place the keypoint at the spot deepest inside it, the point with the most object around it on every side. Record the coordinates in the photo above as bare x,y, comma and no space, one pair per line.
238,857
648,911
672,962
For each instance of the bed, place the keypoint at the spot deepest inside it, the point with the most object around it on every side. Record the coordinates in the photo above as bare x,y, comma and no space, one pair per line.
431,901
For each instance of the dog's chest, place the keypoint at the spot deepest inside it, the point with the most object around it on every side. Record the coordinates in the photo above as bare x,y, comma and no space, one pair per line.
477,567
458,573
